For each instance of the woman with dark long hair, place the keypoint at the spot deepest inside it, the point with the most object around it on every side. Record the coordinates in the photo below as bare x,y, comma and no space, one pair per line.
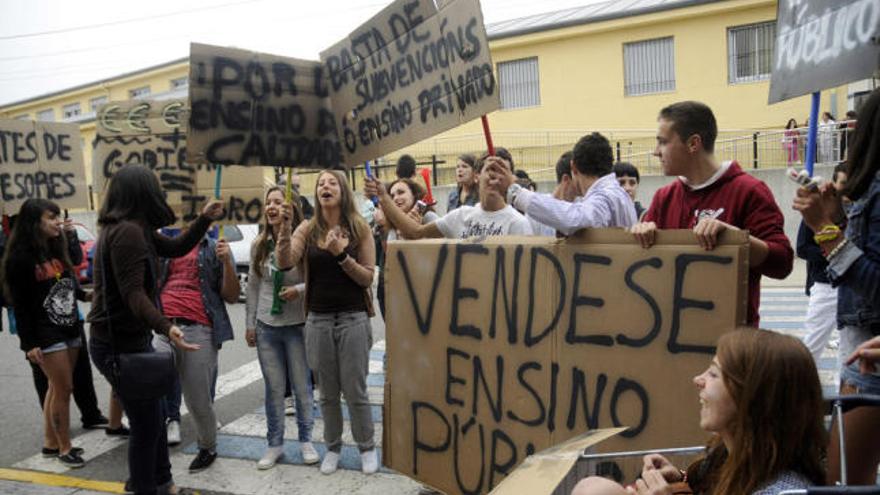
338,256
854,268
467,189
762,400
790,138
275,323
124,313
39,281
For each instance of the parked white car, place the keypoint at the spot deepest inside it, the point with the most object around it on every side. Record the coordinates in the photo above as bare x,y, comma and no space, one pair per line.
240,238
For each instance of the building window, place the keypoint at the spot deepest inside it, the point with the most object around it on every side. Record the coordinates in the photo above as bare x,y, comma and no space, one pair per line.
649,66
94,103
141,92
518,81
179,83
46,115
71,111
750,52
23,117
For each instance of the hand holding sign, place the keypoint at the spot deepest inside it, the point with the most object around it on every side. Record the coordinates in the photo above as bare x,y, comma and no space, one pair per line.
818,207
374,188
213,209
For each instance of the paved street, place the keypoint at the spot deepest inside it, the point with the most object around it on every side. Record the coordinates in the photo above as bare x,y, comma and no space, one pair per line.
242,437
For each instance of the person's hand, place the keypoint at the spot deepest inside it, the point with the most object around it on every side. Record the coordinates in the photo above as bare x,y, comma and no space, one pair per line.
818,208
500,175
374,188
213,209
176,336
68,226
707,231
336,241
651,483
223,251
645,233
250,336
289,293
35,355
657,462
415,216
867,354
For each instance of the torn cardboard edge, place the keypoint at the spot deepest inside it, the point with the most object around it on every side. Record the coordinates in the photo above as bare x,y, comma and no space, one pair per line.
542,472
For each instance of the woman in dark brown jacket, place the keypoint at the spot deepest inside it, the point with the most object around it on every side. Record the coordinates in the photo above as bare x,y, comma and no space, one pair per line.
124,312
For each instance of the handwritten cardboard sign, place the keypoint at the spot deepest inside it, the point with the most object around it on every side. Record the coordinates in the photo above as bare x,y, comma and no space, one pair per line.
41,160
153,134
823,43
500,349
249,108
409,73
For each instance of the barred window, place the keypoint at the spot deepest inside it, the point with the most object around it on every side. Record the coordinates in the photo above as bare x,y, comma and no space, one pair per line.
47,115
96,102
141,92
180,82
750,52
518,81
649,66
71,111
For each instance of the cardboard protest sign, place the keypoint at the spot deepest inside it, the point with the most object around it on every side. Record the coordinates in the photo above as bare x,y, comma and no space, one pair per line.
409,73
499,349
543,472
152,134
823,43
41,160
250,108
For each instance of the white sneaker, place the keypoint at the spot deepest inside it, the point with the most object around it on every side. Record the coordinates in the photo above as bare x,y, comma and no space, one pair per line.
270,457
288,407
331,462
310,455
369,461
173,432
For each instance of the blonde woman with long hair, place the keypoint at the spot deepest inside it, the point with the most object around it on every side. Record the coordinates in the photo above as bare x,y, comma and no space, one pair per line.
338,256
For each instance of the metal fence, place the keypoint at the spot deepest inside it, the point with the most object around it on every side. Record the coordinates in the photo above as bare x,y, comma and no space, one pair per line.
536,152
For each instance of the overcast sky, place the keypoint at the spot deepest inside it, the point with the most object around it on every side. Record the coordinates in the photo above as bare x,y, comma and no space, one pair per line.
50,45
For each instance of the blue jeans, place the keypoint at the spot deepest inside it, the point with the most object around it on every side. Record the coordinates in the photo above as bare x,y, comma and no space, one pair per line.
282,355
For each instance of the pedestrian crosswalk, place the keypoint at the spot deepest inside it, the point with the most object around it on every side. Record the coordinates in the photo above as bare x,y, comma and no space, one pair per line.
242,441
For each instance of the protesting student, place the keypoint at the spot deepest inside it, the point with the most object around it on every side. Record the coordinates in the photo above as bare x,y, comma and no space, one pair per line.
601,201
466,184
821,319
338,254
762,400
39,280
628,178
492,216
710,197
405,193
854,268
194,291
124,312
275,322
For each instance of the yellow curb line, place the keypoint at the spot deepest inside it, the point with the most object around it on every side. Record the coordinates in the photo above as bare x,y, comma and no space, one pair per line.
47,479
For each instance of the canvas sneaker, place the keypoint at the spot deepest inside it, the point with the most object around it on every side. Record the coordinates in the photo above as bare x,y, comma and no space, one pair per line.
330,463
72,460
369,461
310,455
270,458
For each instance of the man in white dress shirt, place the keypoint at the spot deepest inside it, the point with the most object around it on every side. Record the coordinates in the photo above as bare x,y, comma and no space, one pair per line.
600,202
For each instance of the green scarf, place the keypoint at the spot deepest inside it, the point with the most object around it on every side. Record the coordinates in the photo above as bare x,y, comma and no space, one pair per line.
277,281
